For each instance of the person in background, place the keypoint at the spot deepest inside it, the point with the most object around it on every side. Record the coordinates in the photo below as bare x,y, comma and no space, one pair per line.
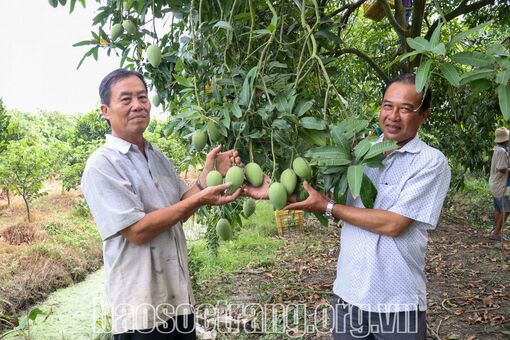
139,203
499,182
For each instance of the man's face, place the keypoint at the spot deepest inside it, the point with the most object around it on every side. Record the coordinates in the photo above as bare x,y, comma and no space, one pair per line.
129,109
399,117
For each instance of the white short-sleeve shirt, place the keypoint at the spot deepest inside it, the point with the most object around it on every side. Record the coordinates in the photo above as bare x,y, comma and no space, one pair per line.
380,273
144,283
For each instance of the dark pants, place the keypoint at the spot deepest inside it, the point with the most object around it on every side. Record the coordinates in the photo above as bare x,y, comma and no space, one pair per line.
350,323
181,327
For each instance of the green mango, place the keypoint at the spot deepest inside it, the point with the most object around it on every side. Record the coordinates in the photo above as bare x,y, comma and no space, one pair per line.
277,195
116,31
154,55
223,229
156,101
235,175
301,168
199,139
213,178
53,3
254,174
249,207
129,26
289,180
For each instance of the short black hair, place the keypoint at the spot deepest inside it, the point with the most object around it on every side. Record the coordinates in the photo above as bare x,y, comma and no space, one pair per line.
105,88
410,78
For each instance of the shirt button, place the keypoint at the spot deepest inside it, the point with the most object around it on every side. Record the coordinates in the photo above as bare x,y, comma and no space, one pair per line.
156,184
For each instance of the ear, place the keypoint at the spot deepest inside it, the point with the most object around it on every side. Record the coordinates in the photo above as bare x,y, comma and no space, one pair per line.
426,115
105,111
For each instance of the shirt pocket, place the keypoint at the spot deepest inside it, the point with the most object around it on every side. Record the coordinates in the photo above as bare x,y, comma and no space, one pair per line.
387,195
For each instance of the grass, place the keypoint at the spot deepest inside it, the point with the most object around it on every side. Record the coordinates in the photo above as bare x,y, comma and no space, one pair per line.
252,246
473,204
60,247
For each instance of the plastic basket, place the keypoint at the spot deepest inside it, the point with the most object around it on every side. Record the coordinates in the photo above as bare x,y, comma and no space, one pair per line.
287,219
374,10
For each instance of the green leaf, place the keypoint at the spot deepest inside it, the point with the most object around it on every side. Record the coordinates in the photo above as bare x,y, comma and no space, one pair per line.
362,148
328,35
330,162
380,148
85,42
419,43
223,24
236,109
459,36
281,124
314,137
503,76
34,313
404,56
375,162
183,80
244,97
436,35
368,192
476,74
325,152
354,179
322,219
273,24
450,73
422,75
480,85
472,58
439,49
302,107
313,123
504,100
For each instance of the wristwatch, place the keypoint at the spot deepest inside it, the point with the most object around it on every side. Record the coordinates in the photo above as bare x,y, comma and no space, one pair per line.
329,210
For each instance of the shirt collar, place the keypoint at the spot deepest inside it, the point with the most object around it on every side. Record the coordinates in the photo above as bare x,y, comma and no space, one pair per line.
413,146
122,145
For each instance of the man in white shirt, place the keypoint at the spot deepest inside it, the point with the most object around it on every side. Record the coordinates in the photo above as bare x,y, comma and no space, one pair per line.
139,202
380,288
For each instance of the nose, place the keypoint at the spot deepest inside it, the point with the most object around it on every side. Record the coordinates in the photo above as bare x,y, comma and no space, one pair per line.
137,105
394,114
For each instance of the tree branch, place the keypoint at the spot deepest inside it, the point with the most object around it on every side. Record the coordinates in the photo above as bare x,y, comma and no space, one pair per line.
380,73
463,8
417,18
396,26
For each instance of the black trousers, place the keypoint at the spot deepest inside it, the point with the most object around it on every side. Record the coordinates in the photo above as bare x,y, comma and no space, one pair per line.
181,327
351,323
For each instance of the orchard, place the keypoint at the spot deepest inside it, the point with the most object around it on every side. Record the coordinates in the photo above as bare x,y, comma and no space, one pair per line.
293,85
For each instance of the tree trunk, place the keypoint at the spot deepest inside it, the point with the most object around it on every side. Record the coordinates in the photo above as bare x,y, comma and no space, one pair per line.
28,209
8,194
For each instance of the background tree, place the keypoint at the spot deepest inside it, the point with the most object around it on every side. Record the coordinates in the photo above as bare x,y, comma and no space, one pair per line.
23,168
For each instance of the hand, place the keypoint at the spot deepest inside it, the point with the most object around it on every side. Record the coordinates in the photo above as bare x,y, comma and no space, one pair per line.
316,202
260,193
222,161
216,195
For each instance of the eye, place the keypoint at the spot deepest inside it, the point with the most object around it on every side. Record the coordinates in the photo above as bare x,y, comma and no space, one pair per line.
406,110
143,99
125,100
387,107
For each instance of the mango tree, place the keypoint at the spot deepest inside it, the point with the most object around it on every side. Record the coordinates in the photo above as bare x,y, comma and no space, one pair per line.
269,78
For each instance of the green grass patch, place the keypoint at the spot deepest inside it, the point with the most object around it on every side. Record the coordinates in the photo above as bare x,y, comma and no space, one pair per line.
473,203
253,245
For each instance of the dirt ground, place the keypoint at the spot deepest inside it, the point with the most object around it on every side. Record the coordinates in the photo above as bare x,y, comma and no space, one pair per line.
468,283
